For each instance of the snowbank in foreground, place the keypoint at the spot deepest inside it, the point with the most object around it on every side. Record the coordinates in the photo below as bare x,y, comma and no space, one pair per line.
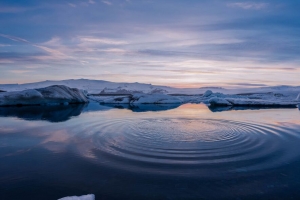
56,94
84,197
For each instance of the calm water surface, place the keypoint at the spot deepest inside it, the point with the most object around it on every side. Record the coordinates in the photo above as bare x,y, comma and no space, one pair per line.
149,152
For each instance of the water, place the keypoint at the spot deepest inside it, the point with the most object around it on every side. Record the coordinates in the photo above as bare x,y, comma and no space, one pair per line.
149,152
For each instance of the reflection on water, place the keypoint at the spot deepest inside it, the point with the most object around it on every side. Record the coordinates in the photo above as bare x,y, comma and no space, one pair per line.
185,152
230,108
145,107
58,113
63,113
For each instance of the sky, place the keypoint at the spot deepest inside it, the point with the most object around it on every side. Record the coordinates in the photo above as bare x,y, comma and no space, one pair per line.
179,43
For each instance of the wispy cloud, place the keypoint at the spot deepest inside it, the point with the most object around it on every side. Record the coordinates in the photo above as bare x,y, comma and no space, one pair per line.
72,5
20,71
92,2
16,39
248,5
107,3
102,40
12,9
55,54
5,45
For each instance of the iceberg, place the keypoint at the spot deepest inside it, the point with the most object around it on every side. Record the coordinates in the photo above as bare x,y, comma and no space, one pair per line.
258,102
84,197
207,93
57,113
216,101
117,100
154,99
138,98
52,95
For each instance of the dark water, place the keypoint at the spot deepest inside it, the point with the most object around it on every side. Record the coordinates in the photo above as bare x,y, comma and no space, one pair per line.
149,152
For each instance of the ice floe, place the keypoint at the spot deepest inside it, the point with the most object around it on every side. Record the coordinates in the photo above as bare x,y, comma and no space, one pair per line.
84,197
216,101
52,95
154,99
138,98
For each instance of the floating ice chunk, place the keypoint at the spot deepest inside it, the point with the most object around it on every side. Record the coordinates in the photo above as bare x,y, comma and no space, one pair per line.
207,93
298,97
21,98
215,101
61,92
52,95
258,102
154,99
84,197
117,100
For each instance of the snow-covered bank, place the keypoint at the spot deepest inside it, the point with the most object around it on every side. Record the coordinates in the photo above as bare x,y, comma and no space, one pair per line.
52,95
84,197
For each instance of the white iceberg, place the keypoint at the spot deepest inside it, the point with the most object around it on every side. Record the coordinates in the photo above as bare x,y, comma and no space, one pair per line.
84,197
207,93
57,94
154,99
216,101
117,100
258,102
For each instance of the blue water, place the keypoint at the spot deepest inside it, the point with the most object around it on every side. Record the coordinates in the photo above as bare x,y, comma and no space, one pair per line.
149,152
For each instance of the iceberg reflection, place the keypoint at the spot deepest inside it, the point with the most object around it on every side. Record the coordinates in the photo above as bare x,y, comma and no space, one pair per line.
236,108
59,113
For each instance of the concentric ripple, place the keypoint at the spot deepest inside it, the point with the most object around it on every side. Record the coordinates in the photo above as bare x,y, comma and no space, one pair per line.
203,147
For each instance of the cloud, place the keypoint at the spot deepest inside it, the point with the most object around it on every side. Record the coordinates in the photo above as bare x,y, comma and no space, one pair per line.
53,52
16,39
12,9
54,41
115,50
72,5
5,45
249,5
247,84
102,40
107,3
20,71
